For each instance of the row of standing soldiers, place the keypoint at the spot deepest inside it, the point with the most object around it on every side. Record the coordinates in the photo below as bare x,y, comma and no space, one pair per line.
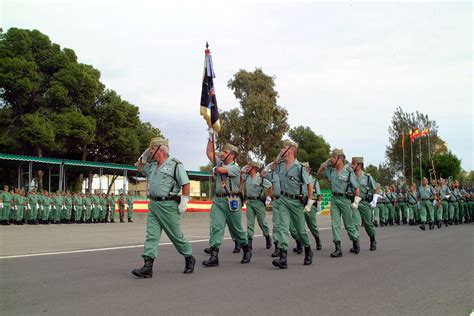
43,207
433,204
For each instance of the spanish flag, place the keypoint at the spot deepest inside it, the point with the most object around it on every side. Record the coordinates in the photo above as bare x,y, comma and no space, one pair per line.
411,136
425,132
416,133
208,95
403,140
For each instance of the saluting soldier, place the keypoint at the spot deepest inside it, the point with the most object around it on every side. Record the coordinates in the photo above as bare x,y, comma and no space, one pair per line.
227,206
255,187
292,177
166,177
340,176
367,186
426,197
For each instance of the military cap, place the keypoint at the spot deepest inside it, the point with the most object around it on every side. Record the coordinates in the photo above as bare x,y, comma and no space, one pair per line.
358,159
290,143
254,164
159,141
337,152
231,147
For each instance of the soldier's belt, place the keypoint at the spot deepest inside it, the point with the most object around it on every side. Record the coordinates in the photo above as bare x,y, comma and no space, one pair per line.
412,203
339,194
221,195
251,198
425,199
291,196
161,198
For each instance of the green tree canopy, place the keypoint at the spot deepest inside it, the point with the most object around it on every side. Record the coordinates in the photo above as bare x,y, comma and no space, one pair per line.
257,127
312,148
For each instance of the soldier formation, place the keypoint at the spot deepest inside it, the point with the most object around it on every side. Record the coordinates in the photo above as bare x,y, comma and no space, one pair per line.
43,207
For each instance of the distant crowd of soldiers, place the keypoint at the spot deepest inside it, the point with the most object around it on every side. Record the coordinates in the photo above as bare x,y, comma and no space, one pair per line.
43,207
432,205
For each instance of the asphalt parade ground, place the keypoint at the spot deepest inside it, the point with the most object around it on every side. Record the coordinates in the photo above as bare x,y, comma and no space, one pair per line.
85,270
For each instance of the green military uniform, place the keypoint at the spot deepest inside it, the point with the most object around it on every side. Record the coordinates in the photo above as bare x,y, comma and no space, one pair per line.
111,202
367,186
402,207
59,202
276,223
290,207
412,199
392,198
165,182
121,206
68,207
129,200
426,194
33,207
376,214
220,210
95,199
254,189
340,203
103,210
21,200
78,207
87,202
14,207
46,207
463,206
443,192
310,217
7,202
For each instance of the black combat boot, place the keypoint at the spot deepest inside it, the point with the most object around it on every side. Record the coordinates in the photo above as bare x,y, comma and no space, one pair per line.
250,242
355,247
382,224
376,224
439,224
247,255
268,239
373,244
338,252
411,222
207,250
299,247
130,220
431,225
319,246
281,262
308,256
190,261
146,271
445,223
213,260
236,247
276,254
422,226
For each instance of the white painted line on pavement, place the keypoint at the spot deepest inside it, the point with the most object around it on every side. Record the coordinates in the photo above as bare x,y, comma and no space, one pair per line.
108,248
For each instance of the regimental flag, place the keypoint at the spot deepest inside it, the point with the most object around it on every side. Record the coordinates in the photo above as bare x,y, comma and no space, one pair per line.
208,95
411,136
425,132
403,140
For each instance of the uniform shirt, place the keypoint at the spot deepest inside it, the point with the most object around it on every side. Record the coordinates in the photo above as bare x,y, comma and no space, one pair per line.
46,201
392,196
316,188
129,199
87,201
68,201
95,200
386,197
78,201
292,180
32,200
161,181
59,201
103,202
111,200
231,179
21,201
367,185
401,197
413,197
273,177
340,182
426,193
6,198
254,187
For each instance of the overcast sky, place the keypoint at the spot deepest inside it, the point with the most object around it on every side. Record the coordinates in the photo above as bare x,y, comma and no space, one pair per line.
340,68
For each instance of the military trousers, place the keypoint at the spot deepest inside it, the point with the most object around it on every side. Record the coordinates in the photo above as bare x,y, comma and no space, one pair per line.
68,212
6,211
32,212
341,207
121,211
376,216
391,211
383,212
412,209
87,212
58,213
404,210
20,212
78,209
445,207
13,213
45,213
256,209
461,211
311,222
96,212
291,211
276,219
452,210
164,216
103,212
221,215
112,211
438,212
426,210
364,212
130,211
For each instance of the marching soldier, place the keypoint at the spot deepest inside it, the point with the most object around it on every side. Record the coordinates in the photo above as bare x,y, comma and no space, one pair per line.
68,207
310,217
95,199
255,187
166,177
121,205
402,204
367,187
376,205
272,176
227,206
5,205
436,203
103,208
340,176
87,201
444,192
293,176
392,197
14,207
426,193
129,200
464,205
412,199
79,207
59,204
33,207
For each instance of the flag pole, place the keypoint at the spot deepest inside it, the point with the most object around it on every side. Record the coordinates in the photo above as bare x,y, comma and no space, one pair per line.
403,153
421,170
411,159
